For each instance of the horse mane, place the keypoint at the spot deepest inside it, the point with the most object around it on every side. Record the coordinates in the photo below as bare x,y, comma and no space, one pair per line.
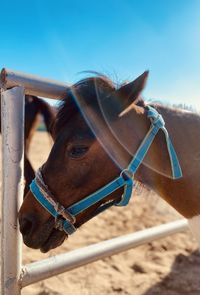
86,88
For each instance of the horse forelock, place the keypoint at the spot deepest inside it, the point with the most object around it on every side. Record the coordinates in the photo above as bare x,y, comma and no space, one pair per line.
90,89
86,88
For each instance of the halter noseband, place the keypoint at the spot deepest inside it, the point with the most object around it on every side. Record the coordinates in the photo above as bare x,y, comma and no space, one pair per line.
65,218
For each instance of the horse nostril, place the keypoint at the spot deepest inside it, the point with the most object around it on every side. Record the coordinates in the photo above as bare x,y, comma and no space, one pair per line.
26,225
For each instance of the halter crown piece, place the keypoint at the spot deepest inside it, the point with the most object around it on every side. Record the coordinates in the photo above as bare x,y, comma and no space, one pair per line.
65,218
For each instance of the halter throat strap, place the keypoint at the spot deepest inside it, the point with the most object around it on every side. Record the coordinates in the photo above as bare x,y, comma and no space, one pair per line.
65,218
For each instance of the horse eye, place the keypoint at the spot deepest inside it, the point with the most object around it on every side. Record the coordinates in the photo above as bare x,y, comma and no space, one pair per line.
77,151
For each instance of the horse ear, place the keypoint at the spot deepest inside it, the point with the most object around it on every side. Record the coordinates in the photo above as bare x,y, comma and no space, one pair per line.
129,93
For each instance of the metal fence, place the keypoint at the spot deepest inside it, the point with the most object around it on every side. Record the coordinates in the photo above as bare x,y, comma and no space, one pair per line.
14,275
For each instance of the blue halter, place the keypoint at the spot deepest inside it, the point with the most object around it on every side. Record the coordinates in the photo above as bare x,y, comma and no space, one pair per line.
66,217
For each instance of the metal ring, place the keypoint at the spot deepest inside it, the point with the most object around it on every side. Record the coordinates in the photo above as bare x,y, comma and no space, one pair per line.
126,174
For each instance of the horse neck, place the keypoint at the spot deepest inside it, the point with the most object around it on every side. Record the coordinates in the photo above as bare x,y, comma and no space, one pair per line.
155,171
47,112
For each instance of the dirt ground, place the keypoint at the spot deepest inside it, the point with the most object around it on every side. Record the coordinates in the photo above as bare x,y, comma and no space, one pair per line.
170,266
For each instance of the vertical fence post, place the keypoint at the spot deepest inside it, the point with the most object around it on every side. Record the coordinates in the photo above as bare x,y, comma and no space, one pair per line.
12,118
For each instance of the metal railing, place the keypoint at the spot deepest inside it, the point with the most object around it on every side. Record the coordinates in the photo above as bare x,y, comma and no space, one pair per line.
14,276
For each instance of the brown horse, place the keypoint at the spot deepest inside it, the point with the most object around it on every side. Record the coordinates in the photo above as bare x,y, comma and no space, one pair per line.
78,165
33,107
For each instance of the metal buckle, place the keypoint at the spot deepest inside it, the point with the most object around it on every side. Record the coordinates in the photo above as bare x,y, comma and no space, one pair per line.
62,212
68,216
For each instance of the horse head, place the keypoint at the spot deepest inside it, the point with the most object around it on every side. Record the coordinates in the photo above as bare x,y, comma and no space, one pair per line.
77,164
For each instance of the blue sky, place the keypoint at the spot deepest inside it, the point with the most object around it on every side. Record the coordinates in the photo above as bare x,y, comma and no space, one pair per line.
59,39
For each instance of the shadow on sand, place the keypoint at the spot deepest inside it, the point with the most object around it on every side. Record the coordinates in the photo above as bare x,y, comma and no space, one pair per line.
184,278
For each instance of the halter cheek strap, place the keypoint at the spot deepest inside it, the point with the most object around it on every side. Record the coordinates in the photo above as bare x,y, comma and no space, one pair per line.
65,218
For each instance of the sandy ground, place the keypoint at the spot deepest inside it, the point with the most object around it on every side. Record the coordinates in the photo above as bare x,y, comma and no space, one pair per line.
170,266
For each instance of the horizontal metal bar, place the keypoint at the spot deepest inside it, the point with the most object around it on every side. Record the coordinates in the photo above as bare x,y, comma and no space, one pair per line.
55,265
33,85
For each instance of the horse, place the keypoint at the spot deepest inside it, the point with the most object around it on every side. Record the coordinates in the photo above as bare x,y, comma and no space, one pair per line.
79,165
33,107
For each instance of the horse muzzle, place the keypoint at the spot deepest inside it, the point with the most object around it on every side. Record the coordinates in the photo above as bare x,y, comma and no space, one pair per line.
38,233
